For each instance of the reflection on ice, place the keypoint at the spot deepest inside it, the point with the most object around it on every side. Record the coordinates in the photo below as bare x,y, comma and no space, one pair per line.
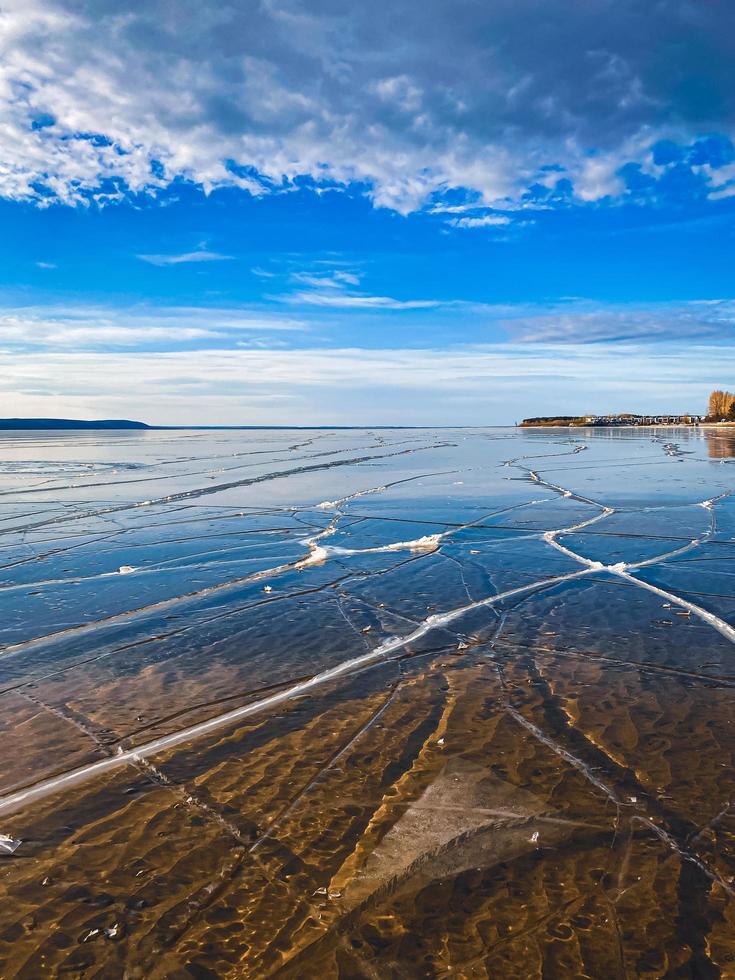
720,443
308,701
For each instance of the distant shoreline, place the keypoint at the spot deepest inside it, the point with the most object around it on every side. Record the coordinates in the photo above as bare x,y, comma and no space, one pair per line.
61,425
129,425
14,425
619,425
622,421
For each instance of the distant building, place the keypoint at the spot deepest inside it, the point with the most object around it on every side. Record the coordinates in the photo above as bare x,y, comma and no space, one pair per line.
626,418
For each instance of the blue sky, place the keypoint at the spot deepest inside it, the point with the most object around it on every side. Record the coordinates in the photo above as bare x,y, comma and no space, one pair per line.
315,213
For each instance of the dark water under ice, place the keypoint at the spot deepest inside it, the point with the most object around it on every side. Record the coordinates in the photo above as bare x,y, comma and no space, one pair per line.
391,703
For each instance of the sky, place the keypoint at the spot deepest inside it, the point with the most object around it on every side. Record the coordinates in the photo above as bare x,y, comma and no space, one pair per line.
286,212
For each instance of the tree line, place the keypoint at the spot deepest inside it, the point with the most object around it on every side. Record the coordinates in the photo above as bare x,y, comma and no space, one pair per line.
721,406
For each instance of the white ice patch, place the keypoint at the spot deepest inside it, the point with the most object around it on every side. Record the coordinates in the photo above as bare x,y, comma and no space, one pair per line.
321,553
333,504
427,543
9,845
317,557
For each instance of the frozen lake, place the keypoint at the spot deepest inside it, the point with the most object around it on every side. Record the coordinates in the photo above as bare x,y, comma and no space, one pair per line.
366,703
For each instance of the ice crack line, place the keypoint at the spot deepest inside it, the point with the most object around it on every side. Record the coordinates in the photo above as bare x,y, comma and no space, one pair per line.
317,554
218,487
65,781
625,570
40,790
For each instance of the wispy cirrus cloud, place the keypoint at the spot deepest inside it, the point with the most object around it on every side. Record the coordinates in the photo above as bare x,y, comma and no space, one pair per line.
337,279
99,327
201,255
338,289
581,322
357,301
480,221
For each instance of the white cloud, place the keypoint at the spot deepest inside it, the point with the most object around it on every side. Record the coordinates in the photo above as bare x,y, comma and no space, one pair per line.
483,221
336,289
452,208
200,256
357,301
80,338
334,280
597,178
89,327
399,91
109,96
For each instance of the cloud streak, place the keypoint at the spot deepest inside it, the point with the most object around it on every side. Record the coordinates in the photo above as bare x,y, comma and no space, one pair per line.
185,257
90,327
358,301
481,221
705,321
337,289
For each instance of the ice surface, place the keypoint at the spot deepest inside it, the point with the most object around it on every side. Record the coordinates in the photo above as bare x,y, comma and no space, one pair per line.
310,700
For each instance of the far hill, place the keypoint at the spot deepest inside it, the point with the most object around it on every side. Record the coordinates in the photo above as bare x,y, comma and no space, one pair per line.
17,424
